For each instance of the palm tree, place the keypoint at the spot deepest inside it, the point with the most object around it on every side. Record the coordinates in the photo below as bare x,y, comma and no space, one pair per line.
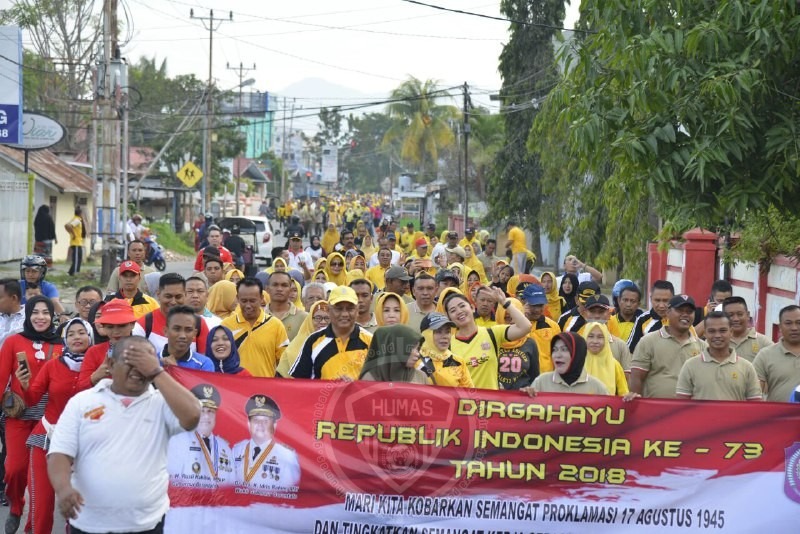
421,124
486,139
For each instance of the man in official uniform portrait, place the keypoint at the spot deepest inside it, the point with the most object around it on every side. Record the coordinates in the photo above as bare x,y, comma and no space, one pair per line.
199,458
261,463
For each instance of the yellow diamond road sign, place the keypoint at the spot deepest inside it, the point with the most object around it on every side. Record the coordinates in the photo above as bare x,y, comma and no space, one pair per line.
189,174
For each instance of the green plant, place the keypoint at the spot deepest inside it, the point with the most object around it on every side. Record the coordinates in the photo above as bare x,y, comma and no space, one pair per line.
167,238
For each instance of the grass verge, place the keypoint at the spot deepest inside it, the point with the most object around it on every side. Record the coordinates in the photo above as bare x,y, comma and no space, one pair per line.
179,243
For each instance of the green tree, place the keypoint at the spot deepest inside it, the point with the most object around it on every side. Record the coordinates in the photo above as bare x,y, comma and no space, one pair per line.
64,35
487,136
528,71
690,107
368,161
421,124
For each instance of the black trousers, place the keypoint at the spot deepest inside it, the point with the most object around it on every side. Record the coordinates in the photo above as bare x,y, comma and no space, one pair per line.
77,258
158,529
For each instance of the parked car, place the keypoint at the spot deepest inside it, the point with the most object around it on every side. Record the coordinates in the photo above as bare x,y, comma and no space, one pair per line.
264,235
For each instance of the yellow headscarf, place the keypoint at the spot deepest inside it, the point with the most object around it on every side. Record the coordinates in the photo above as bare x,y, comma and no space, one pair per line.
379,308
446,291
554,301
292,352
355,274
298,302
341,278
330,238
319,271
281,261
475,264
602,365
368,248
230,274
222,299
357,259
321,263
500,318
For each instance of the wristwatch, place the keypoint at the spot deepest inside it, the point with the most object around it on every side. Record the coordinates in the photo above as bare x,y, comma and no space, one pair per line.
506,304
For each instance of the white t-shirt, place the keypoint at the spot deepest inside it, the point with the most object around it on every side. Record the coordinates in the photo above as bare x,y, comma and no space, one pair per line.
120,457
373,260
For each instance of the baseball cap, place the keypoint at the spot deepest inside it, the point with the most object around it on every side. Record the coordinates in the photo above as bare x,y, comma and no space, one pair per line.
434,321
446,274
458,250
469,231
597,300
586,290
682,300
390,235
421,242
294,234
534,295
395,272
117,311
342,294
431,226
129,266
452,234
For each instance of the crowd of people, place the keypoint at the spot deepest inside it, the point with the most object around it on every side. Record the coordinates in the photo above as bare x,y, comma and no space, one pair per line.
363,300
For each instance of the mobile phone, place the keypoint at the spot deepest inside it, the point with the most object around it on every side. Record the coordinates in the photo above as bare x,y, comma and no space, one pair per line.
22,360
425,365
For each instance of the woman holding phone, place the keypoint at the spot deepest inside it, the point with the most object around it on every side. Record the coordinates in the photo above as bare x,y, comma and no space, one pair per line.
31,348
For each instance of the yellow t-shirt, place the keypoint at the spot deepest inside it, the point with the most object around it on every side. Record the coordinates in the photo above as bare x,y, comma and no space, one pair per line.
479,354
76,235
516,240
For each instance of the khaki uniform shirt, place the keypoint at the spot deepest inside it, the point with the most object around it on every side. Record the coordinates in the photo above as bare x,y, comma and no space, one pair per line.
704,378
750,345
779,369
662,356
292,321
553,383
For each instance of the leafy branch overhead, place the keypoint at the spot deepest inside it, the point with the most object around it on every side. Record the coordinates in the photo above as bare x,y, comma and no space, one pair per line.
692,106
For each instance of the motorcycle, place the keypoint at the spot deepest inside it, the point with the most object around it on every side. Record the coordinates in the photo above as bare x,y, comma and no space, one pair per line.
155,253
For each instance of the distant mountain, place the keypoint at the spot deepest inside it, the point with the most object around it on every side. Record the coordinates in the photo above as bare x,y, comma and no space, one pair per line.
314,92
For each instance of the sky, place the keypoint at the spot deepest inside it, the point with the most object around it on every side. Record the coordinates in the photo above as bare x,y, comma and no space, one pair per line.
370,46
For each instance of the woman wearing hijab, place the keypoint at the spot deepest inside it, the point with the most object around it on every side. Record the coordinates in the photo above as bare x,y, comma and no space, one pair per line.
222,351
472,262
44,231
318,318
320,276
367,246
330,238
335,269
58,379
555,302
570,375
450,370
314,250
151,280
392,356
600,361
234,275
390,309
568,291
519,359
40,343
357,262
222,299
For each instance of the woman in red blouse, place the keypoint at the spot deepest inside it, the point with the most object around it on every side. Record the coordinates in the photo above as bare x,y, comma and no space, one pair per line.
40,343
58,379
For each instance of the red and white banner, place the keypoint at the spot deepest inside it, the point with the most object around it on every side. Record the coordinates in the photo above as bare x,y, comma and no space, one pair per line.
398,458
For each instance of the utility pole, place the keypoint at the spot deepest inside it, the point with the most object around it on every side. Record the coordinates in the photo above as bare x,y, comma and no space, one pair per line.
242,71
107,177
213,25
466,155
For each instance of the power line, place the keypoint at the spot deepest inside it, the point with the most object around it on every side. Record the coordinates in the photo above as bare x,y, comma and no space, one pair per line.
491,17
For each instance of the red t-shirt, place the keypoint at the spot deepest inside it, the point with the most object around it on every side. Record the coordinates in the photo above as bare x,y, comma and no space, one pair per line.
94,358
60,383
224,254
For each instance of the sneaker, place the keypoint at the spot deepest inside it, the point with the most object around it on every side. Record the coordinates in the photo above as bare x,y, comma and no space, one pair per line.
12,524
3,499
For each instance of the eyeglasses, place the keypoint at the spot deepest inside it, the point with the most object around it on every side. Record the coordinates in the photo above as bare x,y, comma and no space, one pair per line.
321,319
337,264
85,303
